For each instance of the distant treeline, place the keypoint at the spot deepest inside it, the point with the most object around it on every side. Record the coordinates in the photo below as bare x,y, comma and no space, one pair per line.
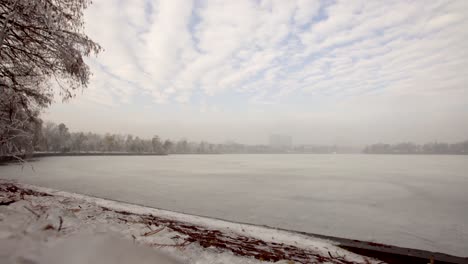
56,138
50,137
460,148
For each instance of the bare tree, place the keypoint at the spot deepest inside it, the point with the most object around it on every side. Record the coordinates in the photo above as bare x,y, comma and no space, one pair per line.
42,46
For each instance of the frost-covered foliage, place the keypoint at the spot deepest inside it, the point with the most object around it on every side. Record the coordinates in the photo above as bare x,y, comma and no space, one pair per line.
42,45
57,138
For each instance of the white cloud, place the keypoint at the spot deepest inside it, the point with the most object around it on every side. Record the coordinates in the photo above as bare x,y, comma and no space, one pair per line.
171,49
277,52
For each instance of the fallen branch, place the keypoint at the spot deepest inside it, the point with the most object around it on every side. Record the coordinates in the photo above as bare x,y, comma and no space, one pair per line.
184,244
60,224
154,231
34,213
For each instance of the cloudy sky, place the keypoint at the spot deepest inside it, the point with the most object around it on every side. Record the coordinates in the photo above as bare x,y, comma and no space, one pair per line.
324,72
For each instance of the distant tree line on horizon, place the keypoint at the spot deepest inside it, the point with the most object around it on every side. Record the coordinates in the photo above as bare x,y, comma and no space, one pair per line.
56,138
50,137
460,148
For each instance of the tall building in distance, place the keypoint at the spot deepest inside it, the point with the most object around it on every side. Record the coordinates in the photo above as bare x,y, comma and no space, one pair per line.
278,141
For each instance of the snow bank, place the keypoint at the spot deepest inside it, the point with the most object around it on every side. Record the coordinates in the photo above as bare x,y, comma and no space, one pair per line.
40,225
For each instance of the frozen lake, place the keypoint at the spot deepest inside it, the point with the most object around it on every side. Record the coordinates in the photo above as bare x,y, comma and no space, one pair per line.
410,201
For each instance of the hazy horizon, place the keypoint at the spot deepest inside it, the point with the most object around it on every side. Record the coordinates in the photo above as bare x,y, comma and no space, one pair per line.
323,72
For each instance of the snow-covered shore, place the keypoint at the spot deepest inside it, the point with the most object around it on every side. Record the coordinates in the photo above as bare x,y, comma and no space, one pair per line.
40,225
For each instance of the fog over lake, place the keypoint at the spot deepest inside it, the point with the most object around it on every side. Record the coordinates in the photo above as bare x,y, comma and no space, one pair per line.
411,201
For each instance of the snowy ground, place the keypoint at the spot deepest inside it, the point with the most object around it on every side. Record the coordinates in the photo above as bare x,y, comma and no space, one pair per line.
39,225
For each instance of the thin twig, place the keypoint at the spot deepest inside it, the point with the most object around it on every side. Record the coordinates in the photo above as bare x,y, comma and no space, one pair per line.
154,231
34,213
60,224
185,243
